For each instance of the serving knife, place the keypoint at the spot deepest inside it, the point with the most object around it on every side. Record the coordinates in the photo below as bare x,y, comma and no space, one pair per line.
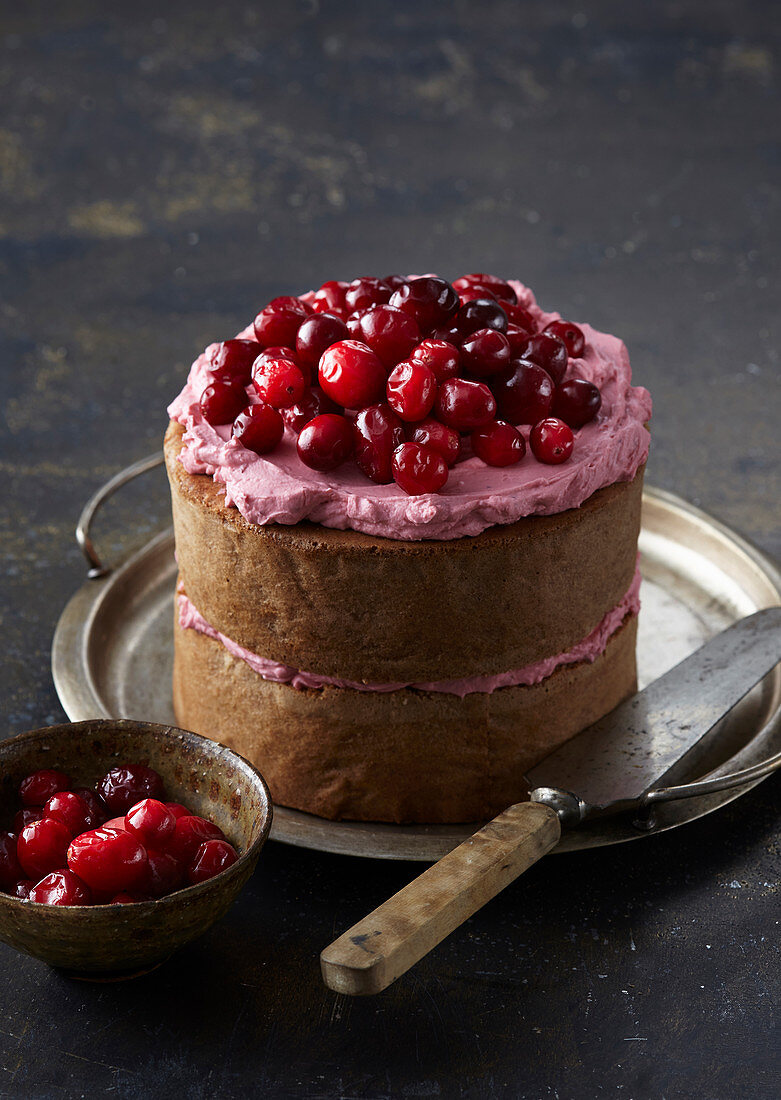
652,739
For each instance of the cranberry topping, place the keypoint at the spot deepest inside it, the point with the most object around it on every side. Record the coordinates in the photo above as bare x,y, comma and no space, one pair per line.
127,784
42,847
576,401
465,405
25,817
71,811
316,334
485,352
519,316
259,428
212,857
430,301
231,361
108,860
377,432
278,382
498,287
21,889
548,352
280,321
10,867
524,392
572,336
498,444
151,822
325,442
411,390
221,402
312,404
390,333
351,375
441,357
190,833
418,469
61,888
330,297
551,441
164,873
37,789
437,437
366,292
479,314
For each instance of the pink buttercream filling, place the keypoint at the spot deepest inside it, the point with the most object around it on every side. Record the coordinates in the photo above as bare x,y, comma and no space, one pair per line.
279,488
588,650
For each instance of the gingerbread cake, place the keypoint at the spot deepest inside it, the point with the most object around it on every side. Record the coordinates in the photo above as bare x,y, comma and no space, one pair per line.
406,516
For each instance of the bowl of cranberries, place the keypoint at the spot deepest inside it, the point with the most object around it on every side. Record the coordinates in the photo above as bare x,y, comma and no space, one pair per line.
120,841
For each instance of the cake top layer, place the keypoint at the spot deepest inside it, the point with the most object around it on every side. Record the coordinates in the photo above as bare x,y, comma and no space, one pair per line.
278,487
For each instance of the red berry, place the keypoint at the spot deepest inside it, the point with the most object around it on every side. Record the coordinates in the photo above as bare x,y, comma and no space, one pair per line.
259,428
231,361
418,469
71,810
475,292
108,860
518,338
366,292
442,358
548,352
524,392
312,404
390,333
25,817
479,314
551,441
437,437
377,432
280,321
330,297
164,873
42,847
37,789
21,889
411,390
116,823
318,333
465,405
574,340
517,315
95,804
190,833
277,352
432,302
151,822
61,888
125,899
576,401
352,375
212,857
10,867
498,287
178,810
221,402
278,382
448,334
485,352
127,784
325,442
498,444
395,281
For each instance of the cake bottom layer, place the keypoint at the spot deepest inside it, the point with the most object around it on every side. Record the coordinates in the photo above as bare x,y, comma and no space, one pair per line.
402,756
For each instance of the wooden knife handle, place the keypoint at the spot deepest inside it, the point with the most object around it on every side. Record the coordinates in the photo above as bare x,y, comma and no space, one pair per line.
384,945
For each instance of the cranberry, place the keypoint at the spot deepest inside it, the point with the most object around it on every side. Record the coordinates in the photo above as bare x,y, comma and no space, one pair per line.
151,822
95,805
318,333
232,360
325,442
127,784
42,847
116,823
519,316
25,817
61,888
551,441
411,390
71,810
548,352
280,321
448,334
125,899
36,789
279,352
312,404
178,810
418,469
395,281
330,297
190,833
352,375
518,338
366,292
22,888
221,402
441,358
108,860
437,437
479,314
377,432
278,382
576,401
465,405
211,858
574,340
259,428
430,301
485,352
475,292
390,333
524,392
498,287
10,867
498,444
164,873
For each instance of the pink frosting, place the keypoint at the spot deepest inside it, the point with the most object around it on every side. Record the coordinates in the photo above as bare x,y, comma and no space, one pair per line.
587,650
279,488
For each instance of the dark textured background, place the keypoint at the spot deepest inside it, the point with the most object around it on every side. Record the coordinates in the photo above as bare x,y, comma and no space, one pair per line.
166,170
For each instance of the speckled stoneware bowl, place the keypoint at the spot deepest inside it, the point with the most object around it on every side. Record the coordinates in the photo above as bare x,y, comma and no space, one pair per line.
113,941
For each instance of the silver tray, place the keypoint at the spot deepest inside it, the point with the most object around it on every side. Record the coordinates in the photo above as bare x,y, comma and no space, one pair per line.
113,651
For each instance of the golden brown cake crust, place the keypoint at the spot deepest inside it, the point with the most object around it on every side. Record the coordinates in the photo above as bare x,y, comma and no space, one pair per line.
357,607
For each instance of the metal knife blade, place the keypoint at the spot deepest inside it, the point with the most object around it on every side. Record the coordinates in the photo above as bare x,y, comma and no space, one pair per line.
652,738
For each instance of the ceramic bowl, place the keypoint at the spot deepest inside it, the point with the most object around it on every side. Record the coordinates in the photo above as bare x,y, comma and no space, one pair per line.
124,940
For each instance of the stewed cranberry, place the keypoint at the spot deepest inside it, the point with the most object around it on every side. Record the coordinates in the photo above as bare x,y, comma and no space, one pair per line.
431,301
221,402
325,442
411,390
437,437
517,315
441,357
366,292
377,432
231,361
465,405
127,784
259,428
278,382
498,287
485,352
71,810
212,857
25,817
418,469
480,313
576,401
318,333
178,810
164,873
573,337
351,375
95,804
10,867
280,321
108,860
37,789
390,333
151,822
42,847
551,441
524,392
498,444
312,404
330,297
21,889
190,833
61,888
548,352
518,339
